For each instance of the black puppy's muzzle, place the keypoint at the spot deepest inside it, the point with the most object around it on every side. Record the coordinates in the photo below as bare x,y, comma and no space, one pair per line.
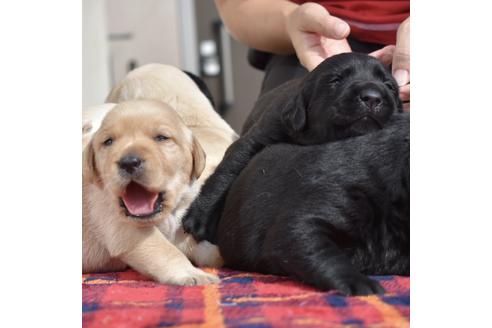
364,106
130,165
366,100
371,98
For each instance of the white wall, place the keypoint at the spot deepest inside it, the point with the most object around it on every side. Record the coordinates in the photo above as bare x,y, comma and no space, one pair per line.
118,32
95,59
152,35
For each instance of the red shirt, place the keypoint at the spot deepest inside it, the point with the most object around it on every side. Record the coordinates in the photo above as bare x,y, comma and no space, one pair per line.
370,21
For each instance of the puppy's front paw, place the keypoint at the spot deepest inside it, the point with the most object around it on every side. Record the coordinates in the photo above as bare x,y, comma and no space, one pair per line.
190,277
194,222
358,285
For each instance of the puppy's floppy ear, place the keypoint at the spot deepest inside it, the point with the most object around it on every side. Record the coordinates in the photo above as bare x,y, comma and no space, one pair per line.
199,159
89,169
294,116
399,105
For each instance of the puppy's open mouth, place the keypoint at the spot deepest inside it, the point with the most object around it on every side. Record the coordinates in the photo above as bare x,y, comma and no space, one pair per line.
139,202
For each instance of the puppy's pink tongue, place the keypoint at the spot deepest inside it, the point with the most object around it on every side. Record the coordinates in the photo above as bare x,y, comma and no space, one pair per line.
138,200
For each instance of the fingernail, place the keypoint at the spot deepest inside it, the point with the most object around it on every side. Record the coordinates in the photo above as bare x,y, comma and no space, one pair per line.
401,77
341,29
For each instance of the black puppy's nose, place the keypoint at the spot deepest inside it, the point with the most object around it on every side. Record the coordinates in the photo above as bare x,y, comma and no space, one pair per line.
371,97
130,163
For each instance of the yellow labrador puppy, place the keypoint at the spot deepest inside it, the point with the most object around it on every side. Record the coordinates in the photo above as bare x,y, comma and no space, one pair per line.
140,174
172,86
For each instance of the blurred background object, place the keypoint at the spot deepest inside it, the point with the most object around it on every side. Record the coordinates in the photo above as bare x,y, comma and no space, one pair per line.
120,35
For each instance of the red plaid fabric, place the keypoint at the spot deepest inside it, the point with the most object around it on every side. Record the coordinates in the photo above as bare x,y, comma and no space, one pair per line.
128,299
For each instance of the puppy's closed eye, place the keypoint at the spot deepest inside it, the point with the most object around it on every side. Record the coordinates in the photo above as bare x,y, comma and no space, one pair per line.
335,80
390,85
161,138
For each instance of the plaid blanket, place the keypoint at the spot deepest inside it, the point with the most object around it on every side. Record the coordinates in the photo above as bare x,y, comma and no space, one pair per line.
128,299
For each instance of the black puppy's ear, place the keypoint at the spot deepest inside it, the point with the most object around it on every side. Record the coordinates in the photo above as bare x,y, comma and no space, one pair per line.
202,86
399,105
294,116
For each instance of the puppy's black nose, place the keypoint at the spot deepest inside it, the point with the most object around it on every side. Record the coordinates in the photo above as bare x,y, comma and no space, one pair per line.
371,97
130,164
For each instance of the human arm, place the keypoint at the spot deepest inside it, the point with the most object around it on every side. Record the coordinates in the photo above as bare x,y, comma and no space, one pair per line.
283,27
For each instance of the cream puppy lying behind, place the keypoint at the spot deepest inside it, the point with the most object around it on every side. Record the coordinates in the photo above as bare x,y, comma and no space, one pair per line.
139,176
172,86
91,120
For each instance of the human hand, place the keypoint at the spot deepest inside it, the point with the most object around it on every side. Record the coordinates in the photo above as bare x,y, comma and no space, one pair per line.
399,57
316,35
401,62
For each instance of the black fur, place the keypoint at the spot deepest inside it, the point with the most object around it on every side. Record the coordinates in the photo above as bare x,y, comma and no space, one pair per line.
327,215
202,86
325,105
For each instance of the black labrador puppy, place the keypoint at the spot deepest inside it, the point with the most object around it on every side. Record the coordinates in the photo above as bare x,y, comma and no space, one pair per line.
325,214
347,95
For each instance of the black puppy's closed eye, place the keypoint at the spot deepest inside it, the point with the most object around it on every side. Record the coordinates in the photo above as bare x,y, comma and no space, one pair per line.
391,86
160,137
108,142
335,80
